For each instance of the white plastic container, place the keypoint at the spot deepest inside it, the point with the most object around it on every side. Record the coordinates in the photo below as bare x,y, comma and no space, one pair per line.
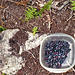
69,61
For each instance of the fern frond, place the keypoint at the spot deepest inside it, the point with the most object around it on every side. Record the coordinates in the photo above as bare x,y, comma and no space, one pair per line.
73,4
47,6
31,12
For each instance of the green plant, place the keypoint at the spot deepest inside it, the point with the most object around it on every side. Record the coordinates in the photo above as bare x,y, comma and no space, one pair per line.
2,29
47,6
32,12
29,13
73,4
34,30
3,73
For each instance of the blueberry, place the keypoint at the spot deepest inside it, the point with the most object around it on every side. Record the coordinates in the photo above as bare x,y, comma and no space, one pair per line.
49,57
51,48
45,53
56,53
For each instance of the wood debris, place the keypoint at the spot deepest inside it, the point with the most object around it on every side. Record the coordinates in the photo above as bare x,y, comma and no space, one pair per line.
23,2
55,3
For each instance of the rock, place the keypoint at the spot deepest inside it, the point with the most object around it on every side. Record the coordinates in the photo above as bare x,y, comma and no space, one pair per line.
9,64
4,43
13,64
33,41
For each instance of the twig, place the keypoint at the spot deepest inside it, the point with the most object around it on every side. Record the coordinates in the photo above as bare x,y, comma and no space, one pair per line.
70,16
67,27
23,2
49,20
0,13
68,20
40,2
62,74
54,5
4,11
2,3
10,1
31,54
24,48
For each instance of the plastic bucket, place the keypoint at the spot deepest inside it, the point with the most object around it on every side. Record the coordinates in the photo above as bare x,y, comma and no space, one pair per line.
69,61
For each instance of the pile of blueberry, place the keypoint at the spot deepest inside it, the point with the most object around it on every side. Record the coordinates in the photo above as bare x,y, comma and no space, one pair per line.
56,53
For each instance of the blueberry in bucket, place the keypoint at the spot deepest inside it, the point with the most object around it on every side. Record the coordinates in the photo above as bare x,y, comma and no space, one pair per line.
56,53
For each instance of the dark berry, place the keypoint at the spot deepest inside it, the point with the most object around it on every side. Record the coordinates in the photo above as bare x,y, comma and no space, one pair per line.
56,53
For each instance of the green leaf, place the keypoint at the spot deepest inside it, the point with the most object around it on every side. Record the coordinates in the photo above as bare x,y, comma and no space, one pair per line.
34,30
29,13
73,8
73,4
3,74
2,29
47,6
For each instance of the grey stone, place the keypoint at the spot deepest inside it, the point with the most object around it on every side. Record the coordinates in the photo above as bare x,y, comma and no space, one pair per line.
9,64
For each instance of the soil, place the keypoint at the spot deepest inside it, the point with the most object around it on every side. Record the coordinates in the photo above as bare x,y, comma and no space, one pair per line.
60,23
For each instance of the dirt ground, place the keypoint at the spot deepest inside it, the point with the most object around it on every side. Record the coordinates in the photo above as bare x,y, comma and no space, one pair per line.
62,21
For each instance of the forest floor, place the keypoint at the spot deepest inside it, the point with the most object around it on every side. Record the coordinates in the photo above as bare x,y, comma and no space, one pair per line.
52,21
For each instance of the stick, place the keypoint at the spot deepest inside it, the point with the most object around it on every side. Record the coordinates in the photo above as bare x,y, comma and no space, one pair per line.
70,16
